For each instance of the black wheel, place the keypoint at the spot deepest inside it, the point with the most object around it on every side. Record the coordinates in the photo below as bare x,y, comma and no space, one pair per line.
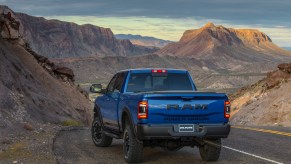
210,152
132,148
98,137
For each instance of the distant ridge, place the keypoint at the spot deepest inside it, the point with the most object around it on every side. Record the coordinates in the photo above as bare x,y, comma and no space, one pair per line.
58,39
144,40
287,48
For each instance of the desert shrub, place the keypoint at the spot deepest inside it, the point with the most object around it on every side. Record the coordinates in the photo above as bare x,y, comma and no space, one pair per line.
71,123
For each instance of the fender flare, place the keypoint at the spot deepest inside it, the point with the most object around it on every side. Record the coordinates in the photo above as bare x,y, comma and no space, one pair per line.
126,112
97,113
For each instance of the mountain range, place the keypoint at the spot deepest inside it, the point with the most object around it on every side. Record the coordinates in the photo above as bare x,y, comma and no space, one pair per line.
217,58
58,39
144,40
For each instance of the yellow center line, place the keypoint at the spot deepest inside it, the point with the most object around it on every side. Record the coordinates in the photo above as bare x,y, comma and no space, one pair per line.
263,130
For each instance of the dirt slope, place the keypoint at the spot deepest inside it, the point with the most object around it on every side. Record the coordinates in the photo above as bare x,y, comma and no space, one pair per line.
267,102
29,93
33,106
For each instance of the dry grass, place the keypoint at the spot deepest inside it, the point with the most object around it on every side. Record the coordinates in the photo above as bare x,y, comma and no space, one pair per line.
17,150
71,123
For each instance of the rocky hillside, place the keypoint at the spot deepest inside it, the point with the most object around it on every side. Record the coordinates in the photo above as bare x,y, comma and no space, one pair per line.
30,93
144,40
57,39
36,97
267,102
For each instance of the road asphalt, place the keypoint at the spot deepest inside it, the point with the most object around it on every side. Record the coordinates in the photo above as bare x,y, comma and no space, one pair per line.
244,145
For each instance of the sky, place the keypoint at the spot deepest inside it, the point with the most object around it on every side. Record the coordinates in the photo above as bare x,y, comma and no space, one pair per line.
166,19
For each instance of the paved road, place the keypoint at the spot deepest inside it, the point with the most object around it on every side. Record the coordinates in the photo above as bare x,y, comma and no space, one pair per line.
244,145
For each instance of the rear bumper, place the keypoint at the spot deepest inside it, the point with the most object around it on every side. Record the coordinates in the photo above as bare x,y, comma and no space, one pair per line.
151,131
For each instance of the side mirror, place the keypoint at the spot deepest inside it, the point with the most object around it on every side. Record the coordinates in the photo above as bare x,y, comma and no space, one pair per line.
96,88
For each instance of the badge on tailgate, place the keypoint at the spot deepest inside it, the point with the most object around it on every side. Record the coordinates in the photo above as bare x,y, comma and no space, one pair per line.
186,128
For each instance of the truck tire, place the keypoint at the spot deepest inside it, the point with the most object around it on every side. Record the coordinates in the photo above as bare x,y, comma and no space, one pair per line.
132,148
210,152
98,137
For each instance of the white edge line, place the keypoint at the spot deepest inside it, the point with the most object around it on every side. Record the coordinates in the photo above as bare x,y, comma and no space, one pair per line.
243,152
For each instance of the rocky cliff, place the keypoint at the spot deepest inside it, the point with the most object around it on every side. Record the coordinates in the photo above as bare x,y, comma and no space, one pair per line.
267,102
57,39
9,24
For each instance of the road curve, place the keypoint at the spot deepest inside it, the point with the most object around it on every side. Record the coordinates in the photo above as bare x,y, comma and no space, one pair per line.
244,145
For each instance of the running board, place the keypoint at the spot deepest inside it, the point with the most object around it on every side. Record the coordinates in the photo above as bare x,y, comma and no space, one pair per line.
112,135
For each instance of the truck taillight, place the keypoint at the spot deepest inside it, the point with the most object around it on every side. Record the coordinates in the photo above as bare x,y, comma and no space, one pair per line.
142,110
227,109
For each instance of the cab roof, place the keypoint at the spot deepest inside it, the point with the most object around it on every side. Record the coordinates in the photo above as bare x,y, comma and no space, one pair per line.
137,70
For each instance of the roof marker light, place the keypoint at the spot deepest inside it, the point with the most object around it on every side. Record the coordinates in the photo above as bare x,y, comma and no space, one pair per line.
159,71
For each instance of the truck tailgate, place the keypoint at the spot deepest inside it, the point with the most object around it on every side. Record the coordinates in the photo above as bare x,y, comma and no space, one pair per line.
186,107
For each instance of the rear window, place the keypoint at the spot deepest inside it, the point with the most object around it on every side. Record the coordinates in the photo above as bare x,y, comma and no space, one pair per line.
142,82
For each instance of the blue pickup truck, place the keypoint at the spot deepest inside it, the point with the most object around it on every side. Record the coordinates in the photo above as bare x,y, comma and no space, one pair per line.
160,107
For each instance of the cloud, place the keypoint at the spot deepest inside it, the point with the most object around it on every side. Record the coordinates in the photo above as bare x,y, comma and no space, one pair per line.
171,17
238,11
279,35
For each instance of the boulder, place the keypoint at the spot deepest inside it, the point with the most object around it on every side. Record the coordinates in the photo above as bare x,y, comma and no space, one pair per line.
286,67
61,70
277,77
9,26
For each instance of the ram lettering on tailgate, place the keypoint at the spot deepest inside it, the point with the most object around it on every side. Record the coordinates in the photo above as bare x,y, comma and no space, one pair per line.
187,106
